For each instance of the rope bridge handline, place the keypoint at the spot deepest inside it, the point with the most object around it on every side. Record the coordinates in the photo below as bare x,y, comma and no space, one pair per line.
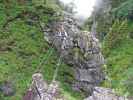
50,52
39,69
45,59
38,85
57,69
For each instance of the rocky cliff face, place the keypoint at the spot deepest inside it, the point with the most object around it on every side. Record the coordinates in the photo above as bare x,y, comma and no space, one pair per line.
80,49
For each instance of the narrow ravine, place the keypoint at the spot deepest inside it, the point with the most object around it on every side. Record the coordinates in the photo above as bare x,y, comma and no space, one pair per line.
66,50
80,50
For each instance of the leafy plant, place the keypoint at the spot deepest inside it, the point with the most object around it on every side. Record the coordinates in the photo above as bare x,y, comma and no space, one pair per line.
116,35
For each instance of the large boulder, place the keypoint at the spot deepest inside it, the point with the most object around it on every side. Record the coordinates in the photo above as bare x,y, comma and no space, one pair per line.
40,90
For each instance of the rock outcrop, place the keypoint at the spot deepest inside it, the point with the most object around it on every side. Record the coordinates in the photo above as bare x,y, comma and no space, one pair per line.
7,89
40,90
104,94
80,49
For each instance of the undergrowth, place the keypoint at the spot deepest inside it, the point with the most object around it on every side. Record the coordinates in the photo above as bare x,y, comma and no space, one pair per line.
22,48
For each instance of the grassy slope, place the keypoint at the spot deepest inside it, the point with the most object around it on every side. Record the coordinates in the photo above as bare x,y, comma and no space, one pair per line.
120,59
22,47
120,66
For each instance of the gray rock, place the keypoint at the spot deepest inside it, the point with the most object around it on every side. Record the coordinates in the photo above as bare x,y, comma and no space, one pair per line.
101,93
81,49
7,88
40,90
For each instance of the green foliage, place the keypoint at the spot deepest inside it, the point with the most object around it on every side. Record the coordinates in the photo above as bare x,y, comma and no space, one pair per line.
119,68
107,14
115,3
22,48
117,34
117,45
20,53
87,25
124,9
13,10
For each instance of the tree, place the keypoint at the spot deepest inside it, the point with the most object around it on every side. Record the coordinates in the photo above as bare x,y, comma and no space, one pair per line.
117,34
70,7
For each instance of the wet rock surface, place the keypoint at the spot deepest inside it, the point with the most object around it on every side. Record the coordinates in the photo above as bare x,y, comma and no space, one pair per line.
81,49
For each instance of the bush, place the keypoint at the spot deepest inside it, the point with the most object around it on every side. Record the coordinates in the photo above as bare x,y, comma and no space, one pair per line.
117,34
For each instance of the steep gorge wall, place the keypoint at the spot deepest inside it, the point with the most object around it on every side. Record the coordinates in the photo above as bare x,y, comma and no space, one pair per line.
80,49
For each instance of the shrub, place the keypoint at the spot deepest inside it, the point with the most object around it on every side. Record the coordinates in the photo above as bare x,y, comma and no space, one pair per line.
116,35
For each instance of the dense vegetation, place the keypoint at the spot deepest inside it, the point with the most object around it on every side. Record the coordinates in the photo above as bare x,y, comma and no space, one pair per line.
23,48
115,29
